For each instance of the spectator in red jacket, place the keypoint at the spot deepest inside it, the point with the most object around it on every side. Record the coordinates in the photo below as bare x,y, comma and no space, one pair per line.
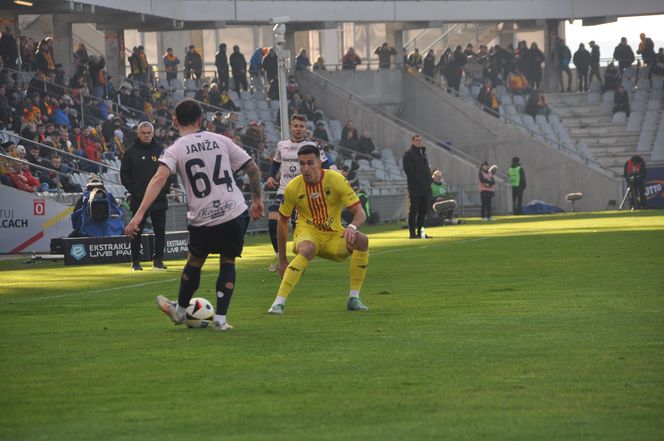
23,180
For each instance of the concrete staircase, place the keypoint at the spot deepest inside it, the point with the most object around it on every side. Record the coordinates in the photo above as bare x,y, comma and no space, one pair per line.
592,123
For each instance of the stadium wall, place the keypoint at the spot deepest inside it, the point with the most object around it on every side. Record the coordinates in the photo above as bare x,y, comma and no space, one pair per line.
387,133
551,173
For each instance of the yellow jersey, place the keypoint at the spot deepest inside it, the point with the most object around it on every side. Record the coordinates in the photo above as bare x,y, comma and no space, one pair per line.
318,206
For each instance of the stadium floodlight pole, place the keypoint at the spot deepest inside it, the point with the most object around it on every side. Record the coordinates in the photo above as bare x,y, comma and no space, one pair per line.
279,30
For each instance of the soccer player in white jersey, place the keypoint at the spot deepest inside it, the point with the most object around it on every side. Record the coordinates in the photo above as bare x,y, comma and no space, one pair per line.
217,213
286,166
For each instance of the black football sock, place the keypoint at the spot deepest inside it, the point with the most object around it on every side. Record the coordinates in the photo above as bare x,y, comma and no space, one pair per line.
189,283
272,228
225,285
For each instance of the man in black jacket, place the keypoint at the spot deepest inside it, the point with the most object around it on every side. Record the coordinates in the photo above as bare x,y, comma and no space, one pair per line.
139,164
238,69
418,174
221,62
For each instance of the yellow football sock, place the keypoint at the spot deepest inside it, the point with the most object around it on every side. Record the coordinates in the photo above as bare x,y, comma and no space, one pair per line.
359,261
292,275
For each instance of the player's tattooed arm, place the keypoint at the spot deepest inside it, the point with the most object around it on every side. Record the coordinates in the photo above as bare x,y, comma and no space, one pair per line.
254,174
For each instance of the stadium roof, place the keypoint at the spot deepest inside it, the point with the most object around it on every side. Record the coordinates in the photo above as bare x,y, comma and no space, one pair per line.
175,14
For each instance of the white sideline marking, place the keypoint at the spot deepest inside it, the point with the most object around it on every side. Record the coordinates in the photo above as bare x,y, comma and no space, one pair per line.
156,282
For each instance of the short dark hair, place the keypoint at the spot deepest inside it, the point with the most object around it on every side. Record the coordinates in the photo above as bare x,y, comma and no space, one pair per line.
188,112
308,149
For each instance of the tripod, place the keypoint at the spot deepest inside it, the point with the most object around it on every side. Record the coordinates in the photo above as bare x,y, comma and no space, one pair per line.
630,194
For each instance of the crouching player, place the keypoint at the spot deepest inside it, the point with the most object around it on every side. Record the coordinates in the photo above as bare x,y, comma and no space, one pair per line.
319,196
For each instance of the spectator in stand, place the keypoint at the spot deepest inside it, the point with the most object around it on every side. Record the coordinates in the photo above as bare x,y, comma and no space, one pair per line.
349,136
59,75
350,60
415,60
319,65
171,62
254,137
561,57
97,76
81,57
59,177
518,83
8,48
582,60
221,63
214,95
594,63
22,179
239,69
33,156
611,78
532,65
302,61
621,101
487,185
484,93
44,59
320,133
385,54
456,68
365,146
255,62
193,64
226,102
623,54
292,88
647,51
270,65
473,71
537,104
429,66
203,94
444,65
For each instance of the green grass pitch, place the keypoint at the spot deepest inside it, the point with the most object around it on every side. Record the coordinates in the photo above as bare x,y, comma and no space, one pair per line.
529,328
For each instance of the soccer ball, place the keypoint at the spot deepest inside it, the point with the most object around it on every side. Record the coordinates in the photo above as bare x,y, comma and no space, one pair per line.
199,313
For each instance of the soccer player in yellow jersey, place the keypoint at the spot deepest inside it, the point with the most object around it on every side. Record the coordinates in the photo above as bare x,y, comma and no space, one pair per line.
319,196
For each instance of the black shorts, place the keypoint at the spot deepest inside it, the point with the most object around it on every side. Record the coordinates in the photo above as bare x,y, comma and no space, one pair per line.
226,239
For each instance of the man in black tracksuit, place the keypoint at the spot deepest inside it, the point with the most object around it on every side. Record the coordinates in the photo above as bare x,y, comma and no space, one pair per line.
418,173
139,163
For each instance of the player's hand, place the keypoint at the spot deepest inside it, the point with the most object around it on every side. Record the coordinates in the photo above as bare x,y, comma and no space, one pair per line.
133,226
271,182
350,235
257,209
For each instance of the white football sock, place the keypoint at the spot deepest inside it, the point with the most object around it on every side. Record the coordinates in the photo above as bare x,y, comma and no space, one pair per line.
280,300
219,318
354,293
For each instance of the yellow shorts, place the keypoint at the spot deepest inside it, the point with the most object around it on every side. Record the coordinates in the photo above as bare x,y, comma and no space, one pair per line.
330,245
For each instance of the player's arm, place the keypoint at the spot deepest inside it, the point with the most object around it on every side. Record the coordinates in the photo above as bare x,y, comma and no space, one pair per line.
359,218
254,174
154,188
274,170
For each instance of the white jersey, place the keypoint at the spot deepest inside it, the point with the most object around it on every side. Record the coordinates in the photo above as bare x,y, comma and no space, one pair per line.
206,162
286,154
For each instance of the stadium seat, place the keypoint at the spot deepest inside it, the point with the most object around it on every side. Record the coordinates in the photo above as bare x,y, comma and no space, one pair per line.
262,105
274,104
654,104
634,121
234,96
176,84
643,84
510,110
190,85
639,106
593,98
248,105
619,118
640,95
245,95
